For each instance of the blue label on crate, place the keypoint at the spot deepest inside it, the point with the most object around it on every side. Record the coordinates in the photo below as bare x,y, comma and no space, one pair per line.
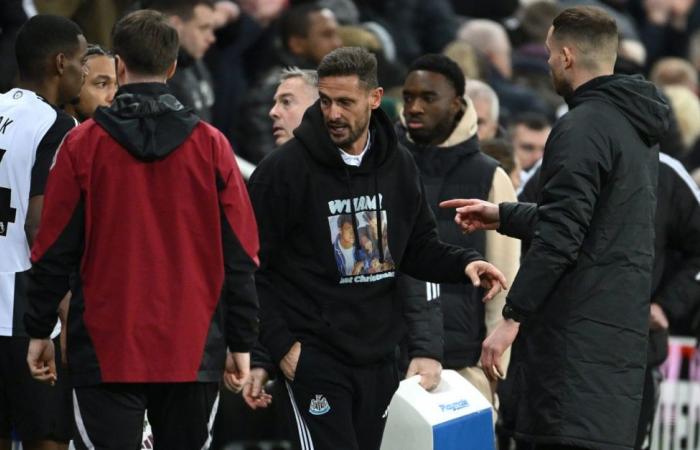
454,406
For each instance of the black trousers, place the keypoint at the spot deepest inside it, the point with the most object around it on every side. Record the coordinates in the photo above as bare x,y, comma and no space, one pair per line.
650,402
337,406
110,416
34,410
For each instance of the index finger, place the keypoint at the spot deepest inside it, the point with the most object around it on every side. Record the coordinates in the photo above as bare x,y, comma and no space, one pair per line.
456,203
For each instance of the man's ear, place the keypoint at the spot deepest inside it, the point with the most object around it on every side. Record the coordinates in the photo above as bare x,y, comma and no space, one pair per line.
375,97
171,70
568,56
458,104
120,68
60,63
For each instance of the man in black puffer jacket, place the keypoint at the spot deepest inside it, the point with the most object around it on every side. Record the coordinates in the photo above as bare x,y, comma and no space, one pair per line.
439,130
581,298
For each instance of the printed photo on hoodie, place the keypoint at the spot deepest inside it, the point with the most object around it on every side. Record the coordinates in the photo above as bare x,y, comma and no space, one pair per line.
357,250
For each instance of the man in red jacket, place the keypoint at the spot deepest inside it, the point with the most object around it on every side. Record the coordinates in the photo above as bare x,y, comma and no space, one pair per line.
147,212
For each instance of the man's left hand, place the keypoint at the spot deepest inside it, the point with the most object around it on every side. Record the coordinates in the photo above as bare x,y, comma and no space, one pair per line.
483,274
493,347
42,360
429,370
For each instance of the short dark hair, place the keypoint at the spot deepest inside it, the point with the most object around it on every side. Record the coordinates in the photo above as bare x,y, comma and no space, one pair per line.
145,41
347,61
592,30
184,9
296,21
96,50
40,38
532,120
433,62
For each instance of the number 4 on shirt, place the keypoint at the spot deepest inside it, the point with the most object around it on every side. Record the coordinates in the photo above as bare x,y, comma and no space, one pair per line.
7,212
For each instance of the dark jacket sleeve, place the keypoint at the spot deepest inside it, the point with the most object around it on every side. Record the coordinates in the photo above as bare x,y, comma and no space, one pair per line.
518,220
240,247
272,210
57,249
427,257
576,161
680,293
423,316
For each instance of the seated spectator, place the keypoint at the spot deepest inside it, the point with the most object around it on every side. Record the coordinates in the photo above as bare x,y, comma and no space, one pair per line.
466,58
486,106
679,71
491,43
194,21
307,32
298,89
686,109
528,134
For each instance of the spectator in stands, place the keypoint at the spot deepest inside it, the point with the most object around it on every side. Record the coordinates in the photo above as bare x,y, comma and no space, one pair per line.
297,91
491,42
486,105
439,128
584,331
12,15
308,32
466,58
672,70
665,26
416,26
686,110
100,84
194,21
528,134
530,67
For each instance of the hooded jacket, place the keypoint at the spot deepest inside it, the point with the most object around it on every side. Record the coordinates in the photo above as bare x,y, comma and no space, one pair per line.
457,168
146,206
584,285
306,199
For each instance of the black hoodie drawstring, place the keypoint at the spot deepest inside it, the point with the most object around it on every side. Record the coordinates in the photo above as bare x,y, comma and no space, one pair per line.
378,212
355,232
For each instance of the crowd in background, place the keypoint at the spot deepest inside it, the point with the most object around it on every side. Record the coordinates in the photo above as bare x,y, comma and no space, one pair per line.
231,58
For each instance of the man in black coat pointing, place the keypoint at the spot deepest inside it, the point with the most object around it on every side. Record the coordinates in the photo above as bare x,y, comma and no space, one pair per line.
581,299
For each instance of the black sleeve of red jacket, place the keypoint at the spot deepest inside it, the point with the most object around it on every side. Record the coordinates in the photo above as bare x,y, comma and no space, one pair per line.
680,293
272,211
57,249
427,257
240,248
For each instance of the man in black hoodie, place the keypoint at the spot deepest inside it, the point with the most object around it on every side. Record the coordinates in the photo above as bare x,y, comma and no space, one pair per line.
334,334
581,298
147,214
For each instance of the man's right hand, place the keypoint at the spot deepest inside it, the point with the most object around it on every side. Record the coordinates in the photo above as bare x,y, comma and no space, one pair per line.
237,371
474,214
288,365
254,390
